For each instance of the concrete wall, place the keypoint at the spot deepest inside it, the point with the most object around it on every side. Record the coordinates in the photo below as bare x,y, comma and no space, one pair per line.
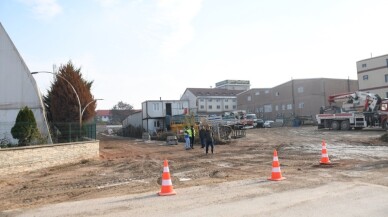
22,159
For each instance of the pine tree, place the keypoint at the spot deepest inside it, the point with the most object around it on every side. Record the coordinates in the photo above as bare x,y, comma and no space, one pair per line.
25,128
62,104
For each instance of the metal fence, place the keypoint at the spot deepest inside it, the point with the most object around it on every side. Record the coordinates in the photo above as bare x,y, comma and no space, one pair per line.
59,132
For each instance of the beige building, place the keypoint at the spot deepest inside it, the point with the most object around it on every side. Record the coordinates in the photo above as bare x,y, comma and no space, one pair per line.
373,75
299,97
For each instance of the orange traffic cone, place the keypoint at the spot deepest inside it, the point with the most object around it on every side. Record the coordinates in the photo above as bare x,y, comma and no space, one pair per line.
166,181
325,156
276,173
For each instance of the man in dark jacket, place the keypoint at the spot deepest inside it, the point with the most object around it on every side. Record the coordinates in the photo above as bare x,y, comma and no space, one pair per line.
202,136
192,137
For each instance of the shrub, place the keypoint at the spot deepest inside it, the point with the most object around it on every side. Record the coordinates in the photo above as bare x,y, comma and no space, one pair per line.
25,128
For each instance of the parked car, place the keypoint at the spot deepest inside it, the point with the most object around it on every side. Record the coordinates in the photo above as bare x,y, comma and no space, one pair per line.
253,118
260,123
267,124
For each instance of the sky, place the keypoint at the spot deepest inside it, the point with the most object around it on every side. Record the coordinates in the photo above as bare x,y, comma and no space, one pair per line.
139,50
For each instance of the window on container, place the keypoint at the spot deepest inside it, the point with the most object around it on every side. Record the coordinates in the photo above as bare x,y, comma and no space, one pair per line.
365,77
386,78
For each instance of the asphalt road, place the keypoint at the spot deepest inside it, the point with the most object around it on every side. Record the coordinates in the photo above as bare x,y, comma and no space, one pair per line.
239,198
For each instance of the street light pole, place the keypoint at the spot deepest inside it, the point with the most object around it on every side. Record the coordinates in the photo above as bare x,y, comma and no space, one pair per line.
83,110
80,110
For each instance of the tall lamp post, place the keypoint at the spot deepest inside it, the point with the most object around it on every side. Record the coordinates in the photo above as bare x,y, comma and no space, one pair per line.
80,110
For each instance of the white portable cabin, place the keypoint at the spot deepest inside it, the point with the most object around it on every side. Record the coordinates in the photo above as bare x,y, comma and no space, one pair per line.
156,113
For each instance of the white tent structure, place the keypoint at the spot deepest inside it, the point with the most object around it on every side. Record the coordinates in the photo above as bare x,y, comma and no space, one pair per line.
17,90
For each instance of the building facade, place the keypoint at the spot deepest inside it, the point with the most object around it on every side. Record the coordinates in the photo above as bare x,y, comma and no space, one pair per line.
103,116
373,75
299,97
234,84
206,101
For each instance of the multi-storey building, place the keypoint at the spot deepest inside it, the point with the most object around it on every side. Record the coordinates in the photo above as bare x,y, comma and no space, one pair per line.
373,75
234,84
299,97
211,100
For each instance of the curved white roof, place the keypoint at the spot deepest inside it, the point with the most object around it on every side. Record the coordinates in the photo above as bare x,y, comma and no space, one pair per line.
17,89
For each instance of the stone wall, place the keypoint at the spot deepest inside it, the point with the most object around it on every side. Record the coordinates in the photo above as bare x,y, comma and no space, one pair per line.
22,159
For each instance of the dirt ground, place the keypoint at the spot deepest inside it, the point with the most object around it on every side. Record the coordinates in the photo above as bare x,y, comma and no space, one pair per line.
129,166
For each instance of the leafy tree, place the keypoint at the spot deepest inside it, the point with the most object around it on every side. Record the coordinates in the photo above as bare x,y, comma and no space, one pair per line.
120,111
61,101
25,128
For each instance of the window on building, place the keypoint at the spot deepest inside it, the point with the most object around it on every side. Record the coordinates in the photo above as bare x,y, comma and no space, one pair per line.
365,77
217,100
201,100
226,100
276,107
266,91
283,107
202,107
386,78
267,108
226,107
234,106
156,124
249,98
209,100
300,89
210,107
218,107
277,94
301,105
363,65
234,100
156,106
386,94
289,106
257,93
